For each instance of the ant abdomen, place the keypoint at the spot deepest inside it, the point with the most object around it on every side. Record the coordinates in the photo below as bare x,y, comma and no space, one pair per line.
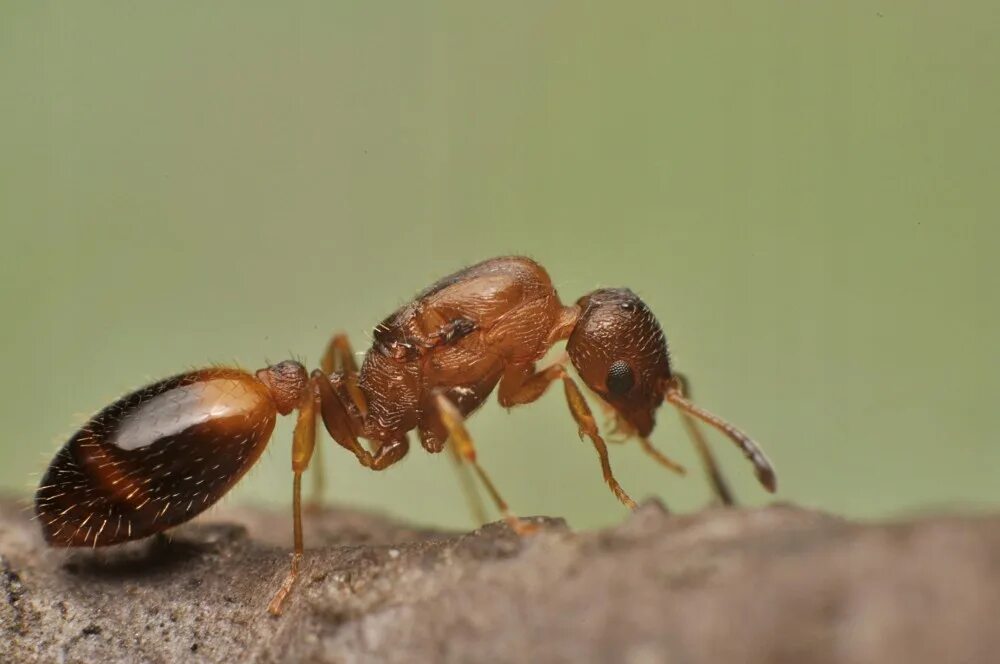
155,458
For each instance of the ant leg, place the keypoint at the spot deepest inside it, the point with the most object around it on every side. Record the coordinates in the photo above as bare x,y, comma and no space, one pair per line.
660,457
316,494
337,420
303,443
585,420
520,386
434,438
451,418
338,357
342,425
390,453
472,498
715,477
751,450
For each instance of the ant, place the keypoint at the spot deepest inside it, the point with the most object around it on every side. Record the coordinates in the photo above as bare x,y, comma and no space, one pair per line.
166,452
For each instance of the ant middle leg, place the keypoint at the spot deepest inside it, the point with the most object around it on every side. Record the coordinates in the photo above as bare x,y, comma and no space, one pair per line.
467,482
452,419
434,438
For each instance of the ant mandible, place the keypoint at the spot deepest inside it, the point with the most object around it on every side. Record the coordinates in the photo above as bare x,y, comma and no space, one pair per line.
160,455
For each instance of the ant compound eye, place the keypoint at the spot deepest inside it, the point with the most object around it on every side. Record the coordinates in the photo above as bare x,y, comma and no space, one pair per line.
620,378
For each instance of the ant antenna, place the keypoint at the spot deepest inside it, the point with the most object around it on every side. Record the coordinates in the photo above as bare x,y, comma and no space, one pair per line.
762,467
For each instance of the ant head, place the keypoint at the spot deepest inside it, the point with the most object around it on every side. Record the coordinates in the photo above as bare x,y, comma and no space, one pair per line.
285,381
621,354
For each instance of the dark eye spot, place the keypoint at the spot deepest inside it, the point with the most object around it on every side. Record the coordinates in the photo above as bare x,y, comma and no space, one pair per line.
627,306
620,378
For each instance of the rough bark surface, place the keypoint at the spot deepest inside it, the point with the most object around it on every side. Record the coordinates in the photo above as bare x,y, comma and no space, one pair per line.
778,584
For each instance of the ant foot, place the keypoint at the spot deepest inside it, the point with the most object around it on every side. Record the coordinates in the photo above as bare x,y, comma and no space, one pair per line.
521,527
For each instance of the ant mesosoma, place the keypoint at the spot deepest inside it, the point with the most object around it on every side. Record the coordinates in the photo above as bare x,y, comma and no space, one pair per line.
160,455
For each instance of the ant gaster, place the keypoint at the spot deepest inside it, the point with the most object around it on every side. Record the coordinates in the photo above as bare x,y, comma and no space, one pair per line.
161,455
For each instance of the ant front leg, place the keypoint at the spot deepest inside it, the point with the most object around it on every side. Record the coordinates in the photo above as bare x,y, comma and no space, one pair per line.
521,385
585,421
451,417
303,444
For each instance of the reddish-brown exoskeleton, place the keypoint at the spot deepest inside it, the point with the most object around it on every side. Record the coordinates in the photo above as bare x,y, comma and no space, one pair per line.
159,456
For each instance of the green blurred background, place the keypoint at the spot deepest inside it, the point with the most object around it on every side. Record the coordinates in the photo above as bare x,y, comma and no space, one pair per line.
804,193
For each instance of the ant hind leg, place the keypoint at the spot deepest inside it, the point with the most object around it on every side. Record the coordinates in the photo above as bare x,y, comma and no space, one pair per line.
303,444
338,357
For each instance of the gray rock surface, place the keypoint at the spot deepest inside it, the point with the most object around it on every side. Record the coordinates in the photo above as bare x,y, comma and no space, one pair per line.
778,584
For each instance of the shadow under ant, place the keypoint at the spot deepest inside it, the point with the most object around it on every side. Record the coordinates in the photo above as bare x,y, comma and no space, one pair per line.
156,555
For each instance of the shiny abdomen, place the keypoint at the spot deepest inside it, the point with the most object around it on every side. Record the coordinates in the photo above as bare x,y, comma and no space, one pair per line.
155,458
